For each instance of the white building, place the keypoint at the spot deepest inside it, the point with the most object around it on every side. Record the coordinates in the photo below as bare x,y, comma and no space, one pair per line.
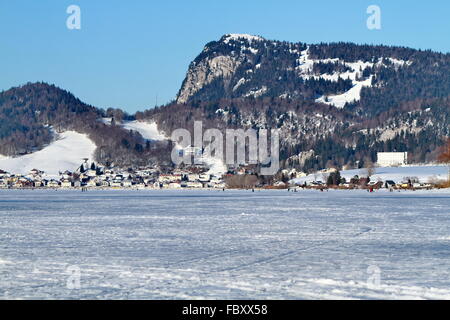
193,177
66,183
194,184
388,159
174,185
91,183
204,177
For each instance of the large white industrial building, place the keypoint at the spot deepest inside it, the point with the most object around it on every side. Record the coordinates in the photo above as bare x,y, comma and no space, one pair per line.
388,159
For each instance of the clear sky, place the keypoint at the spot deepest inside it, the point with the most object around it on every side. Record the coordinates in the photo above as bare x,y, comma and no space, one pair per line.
127,53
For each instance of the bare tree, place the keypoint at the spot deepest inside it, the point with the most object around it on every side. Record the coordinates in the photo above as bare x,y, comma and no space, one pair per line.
369,168
444,156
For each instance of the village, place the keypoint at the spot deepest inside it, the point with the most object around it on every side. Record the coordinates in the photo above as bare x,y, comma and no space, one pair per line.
91,175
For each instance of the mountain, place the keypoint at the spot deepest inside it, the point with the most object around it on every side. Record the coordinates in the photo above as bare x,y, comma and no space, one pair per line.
371,79
335,104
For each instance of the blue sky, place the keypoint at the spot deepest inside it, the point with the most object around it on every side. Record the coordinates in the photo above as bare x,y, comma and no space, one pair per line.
127,53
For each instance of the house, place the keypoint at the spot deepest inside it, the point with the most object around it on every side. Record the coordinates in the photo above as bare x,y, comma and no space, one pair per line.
220,185
91,173
191,151
300,174
194,184
66,183
36,172
376,184
53,184
66,174
405,185
127,183
115,184
364,181
38,183
104,183
3,183
174,185
167,178
23,182
389,184
279,184
91,183
193,177
204,177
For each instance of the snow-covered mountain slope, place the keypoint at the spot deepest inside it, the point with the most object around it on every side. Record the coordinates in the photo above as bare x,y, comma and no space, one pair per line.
353,72
147,129
425,174
64,153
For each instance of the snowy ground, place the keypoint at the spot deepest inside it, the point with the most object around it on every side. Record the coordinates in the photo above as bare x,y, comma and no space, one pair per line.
148,130
229,245
65,153
425,174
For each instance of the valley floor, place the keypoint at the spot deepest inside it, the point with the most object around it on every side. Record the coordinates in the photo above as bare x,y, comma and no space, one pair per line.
193,244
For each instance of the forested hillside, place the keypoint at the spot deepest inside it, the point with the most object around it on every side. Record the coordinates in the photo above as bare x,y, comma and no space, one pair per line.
28,114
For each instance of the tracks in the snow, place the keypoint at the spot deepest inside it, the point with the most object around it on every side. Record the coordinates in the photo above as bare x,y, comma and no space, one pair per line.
269,259
241,254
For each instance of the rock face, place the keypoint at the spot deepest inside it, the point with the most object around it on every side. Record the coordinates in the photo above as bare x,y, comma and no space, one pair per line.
204,73
219,60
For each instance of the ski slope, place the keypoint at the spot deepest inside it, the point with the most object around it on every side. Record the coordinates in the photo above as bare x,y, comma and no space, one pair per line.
188,244
148,130
306,65
65,153
352,95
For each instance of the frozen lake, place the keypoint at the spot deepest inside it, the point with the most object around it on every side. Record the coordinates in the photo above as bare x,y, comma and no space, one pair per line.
224,245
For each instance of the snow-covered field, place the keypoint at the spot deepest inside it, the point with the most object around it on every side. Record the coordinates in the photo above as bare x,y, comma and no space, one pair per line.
65,153
425,174
232,244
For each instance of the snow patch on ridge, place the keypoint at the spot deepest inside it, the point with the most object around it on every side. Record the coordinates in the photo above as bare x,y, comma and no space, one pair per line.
306,65
240,36
352,95
148,130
